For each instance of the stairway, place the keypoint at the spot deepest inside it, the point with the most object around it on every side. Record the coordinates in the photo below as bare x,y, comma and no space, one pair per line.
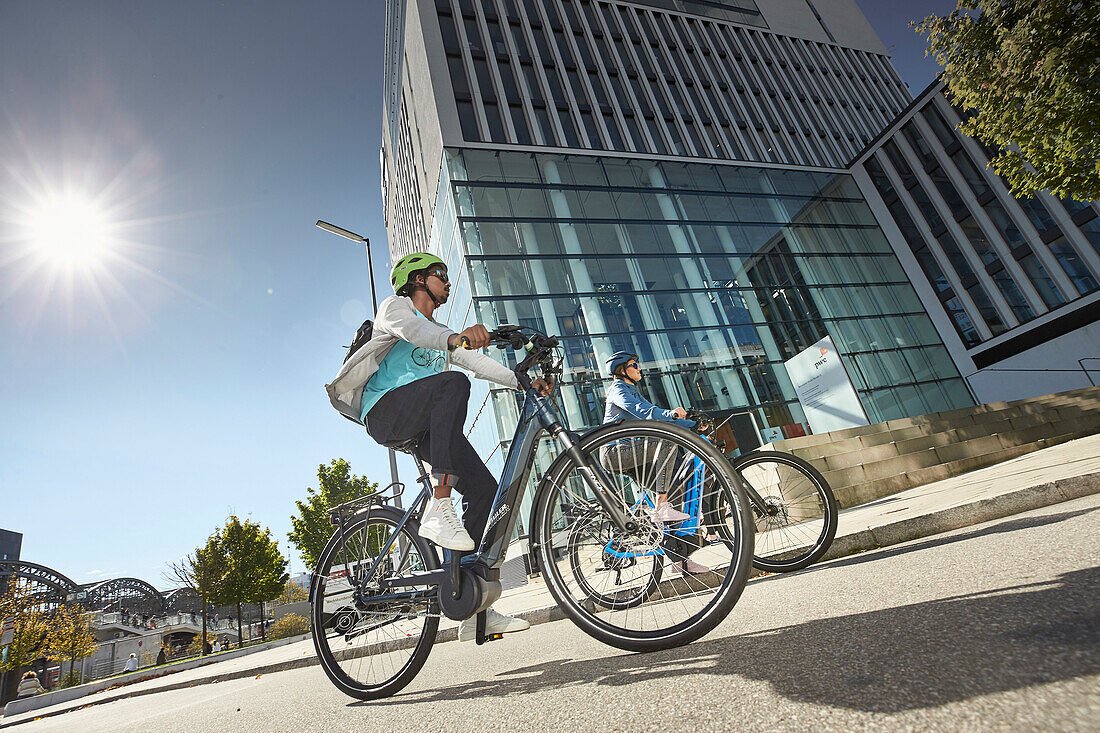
871,461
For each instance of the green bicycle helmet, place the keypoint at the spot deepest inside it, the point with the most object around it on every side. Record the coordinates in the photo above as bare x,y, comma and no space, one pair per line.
410,263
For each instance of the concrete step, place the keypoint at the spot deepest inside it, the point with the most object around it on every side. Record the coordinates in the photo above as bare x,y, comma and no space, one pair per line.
883,465
966,428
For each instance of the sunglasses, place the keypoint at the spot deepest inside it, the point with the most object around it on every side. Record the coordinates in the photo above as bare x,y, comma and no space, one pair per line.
441,274
631,365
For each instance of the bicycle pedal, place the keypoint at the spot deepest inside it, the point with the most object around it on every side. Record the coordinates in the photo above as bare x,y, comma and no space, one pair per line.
491,637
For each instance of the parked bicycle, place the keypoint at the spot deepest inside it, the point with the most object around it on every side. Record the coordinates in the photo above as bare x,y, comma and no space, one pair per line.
794,507
379,590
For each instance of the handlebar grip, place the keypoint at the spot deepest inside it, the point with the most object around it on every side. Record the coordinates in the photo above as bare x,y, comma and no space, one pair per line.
463,342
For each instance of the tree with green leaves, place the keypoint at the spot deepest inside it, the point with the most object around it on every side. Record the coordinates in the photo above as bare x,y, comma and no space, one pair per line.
291,594
70,638
1027,72
336,485
254,569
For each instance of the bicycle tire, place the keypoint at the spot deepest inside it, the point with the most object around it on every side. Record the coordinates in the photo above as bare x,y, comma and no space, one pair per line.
392,637
724,583
804,495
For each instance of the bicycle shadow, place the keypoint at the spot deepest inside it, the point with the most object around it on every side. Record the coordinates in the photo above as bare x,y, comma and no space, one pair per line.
891,660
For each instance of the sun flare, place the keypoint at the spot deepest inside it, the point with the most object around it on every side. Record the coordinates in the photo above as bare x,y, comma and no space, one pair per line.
70,230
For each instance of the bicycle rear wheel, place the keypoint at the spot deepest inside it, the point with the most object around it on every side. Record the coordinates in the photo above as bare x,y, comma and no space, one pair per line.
371,650
797,523
641,610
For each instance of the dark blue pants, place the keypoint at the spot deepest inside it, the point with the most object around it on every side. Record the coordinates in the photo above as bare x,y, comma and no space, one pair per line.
434,408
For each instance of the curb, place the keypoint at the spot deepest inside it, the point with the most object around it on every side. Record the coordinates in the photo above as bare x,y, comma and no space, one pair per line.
944,520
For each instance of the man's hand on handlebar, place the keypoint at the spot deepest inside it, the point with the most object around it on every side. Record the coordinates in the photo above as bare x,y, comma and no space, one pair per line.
543,386
680,413
475,337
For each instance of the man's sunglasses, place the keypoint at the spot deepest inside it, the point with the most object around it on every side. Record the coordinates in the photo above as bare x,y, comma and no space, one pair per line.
631,365
441,274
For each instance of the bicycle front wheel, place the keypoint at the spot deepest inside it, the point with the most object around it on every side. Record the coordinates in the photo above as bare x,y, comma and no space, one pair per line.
797,522
371,649
661,585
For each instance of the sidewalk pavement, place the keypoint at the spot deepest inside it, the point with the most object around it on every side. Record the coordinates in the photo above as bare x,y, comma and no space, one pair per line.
1049,476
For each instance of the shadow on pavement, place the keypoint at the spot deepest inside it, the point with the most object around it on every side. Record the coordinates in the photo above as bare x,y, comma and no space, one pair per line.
891,660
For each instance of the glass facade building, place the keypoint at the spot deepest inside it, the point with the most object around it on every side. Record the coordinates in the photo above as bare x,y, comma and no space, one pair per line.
714,185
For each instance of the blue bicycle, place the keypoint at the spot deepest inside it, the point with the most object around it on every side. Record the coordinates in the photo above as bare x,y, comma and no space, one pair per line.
380,591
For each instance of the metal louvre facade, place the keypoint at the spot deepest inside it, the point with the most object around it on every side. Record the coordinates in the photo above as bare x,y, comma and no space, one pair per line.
613,76
1009,274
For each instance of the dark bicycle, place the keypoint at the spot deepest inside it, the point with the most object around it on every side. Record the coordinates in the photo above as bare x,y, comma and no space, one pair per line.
379,590
794,507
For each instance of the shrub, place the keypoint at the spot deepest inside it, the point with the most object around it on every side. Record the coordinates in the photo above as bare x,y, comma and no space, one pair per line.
290,625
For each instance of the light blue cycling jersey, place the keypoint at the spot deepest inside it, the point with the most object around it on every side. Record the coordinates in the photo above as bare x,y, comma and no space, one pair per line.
403,364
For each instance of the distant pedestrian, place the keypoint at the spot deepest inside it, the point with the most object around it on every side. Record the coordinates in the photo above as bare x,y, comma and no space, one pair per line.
217,645
162,658
30,685
227,640
131,663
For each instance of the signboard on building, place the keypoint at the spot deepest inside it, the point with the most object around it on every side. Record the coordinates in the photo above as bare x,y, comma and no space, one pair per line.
824,389
7,632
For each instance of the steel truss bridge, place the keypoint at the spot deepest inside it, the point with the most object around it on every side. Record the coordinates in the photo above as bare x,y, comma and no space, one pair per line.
52,588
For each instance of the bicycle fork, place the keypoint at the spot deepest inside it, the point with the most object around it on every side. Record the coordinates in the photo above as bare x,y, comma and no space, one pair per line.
597,479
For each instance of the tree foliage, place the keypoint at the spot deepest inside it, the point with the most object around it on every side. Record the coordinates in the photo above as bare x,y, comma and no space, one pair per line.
254,570
290,625
291,594
311,528
1028,72
70,637
31,623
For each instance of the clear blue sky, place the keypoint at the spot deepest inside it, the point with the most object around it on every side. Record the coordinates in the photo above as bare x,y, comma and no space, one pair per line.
149,395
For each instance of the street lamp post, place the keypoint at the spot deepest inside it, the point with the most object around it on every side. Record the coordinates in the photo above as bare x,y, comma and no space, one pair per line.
340,231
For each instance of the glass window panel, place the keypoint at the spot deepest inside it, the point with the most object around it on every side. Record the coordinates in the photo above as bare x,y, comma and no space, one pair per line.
1042,281
1073,265
986,309
939,126
950,193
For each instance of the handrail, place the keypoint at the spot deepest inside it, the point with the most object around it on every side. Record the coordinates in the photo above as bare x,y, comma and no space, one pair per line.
1080,362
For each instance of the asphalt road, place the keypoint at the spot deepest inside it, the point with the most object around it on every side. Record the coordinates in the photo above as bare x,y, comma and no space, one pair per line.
993,627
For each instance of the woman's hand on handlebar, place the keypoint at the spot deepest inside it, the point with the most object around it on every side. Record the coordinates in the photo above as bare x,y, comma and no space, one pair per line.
543,386
474,337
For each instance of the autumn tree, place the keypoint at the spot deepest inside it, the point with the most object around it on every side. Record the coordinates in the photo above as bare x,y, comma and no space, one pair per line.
70,638
336,485
20,602
291,594
1028,74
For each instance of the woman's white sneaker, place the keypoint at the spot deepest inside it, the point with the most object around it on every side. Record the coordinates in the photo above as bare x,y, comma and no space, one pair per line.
440,525
495,623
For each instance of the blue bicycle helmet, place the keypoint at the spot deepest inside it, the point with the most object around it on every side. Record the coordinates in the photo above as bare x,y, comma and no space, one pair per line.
618,359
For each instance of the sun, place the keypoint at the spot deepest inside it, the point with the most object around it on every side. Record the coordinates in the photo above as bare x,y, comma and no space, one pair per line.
70,230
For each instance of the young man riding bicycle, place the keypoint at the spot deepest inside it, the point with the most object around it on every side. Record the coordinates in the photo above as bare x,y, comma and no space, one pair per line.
410,393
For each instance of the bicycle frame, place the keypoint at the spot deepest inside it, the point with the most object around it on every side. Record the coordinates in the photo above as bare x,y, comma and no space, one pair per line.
538,414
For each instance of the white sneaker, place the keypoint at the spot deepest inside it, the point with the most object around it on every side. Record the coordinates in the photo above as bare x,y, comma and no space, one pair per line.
495,623
440,525
665,513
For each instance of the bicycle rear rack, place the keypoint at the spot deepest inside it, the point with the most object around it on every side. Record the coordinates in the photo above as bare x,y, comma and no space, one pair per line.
338,515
